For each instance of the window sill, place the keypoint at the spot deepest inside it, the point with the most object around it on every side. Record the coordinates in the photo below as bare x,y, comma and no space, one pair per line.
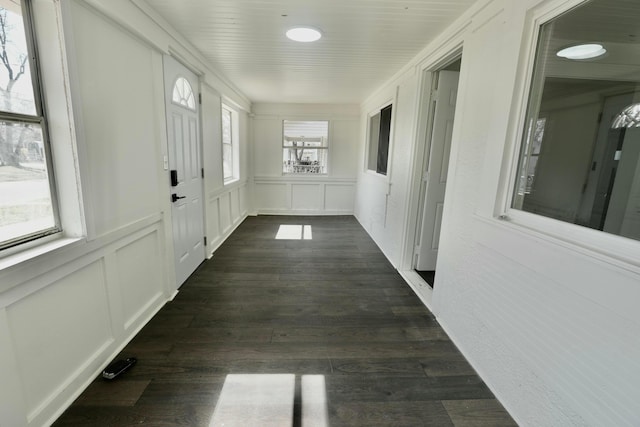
231,181
310,175
15,263
610,248
376,174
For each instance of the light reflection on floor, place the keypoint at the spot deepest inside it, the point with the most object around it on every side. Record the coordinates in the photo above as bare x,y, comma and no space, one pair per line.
294,232
268,400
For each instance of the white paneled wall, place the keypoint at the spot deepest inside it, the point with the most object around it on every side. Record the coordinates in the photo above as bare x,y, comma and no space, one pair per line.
227,204
290,195
330,194
68,307
226,209
66,318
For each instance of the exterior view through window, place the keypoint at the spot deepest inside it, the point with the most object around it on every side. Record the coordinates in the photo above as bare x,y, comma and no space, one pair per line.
305,147
27,208
580,155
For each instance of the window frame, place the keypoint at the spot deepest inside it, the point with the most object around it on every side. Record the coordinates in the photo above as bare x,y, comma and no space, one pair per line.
235,144
610,248
378,111
326,148
188,102
26,241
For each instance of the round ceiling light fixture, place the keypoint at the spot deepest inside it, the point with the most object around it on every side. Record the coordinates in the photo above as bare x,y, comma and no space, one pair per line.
304,34
582,51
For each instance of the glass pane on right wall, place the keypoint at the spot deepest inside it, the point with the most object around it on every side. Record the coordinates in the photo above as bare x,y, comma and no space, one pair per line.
580,155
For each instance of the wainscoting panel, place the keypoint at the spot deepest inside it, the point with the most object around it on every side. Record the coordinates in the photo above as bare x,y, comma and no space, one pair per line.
339,198
214,231
244,201
272,196
226,209
225,212
288,195
138,276
62,325
306,197
58,329
235,202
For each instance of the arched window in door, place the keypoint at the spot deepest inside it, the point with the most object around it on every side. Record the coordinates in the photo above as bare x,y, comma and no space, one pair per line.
183,94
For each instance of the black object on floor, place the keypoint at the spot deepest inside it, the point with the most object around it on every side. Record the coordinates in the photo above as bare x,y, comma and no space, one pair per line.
118,367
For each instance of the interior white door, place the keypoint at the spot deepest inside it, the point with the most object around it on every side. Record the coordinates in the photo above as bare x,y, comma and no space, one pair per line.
183,135
435,176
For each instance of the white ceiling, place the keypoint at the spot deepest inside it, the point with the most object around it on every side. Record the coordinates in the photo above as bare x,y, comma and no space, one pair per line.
364,43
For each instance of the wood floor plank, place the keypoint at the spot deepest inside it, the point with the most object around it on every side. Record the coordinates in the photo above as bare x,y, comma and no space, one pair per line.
392,366
387,388
359,334
385,414
332,307
113,393
478,413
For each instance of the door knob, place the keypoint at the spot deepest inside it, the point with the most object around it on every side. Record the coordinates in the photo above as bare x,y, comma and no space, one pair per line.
175,197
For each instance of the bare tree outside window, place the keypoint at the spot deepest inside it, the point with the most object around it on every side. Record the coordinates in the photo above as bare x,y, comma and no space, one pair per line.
305,147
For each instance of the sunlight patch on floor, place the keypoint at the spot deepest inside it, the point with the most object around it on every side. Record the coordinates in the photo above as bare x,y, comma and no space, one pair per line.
268,400
294,232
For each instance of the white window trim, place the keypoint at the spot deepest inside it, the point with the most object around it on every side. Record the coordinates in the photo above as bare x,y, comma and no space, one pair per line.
606,247
56,59
328,147
370,115
235,146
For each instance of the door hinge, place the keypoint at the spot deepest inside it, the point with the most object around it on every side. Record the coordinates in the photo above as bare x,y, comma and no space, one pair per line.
202,172
205,240
200,98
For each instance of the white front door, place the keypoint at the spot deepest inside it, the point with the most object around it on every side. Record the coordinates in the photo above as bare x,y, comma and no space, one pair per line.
435,175
183,134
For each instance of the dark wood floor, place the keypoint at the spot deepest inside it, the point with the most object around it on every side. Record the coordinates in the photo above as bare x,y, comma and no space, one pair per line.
332,305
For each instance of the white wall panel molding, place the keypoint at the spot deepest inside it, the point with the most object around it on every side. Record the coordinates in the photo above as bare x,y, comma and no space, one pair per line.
138,276
227,207
118,281
48,261
286,195
41,324
303,179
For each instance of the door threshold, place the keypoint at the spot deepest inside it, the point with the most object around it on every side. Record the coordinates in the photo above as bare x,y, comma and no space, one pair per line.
419,286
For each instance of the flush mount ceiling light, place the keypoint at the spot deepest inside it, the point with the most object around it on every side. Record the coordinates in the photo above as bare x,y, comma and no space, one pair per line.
582,51
304,34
